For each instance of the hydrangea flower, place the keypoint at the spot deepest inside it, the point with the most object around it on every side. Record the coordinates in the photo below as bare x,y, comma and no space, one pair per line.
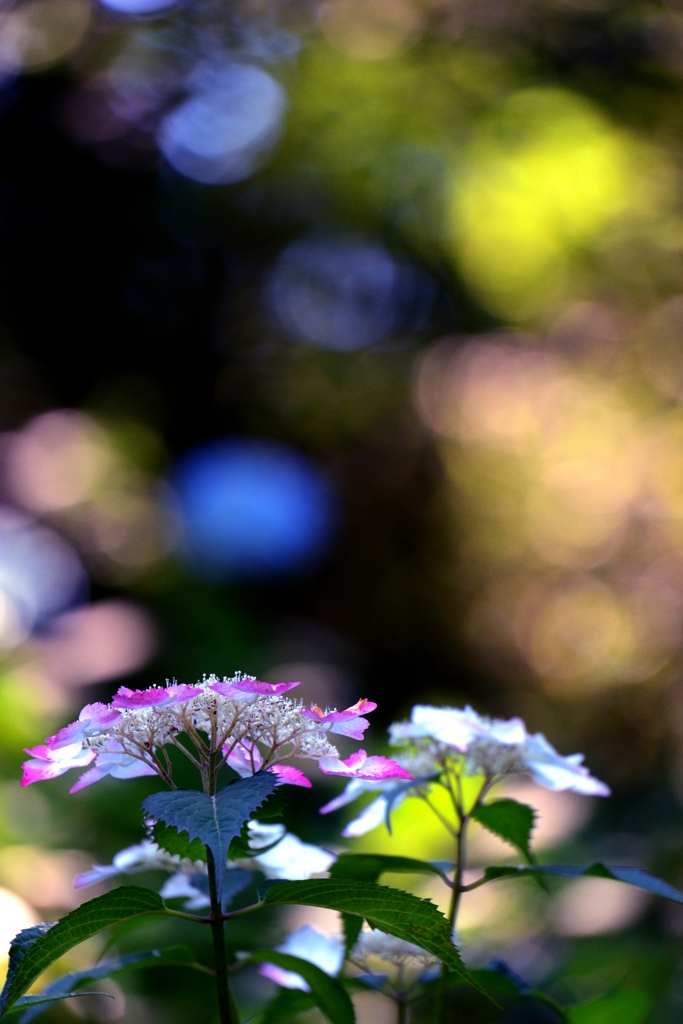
438,740
390,964
325,951
242,722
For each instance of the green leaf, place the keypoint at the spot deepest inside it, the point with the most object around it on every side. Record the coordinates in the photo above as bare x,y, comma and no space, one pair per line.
630,876
287,1004
510,820
34,949
352,925
630,1007
367,867
173,841
68,984
327,993
215,820
391,910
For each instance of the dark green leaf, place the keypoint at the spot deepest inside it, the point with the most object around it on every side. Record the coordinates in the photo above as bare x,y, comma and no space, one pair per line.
629,1007
173,841
68,984
509,820
328,994
368,867
631,876
215,820
287,1004
352,925
34,949
393,911
270,812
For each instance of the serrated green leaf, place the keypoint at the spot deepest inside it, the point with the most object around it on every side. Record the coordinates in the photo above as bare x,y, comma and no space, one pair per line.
368,867
68,984
393,911
352,925
287,1004
175,842
630,1007
630,876
32,951
215,820
327,992
511,821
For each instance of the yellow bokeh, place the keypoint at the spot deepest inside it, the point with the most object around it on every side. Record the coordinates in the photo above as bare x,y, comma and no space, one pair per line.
541,181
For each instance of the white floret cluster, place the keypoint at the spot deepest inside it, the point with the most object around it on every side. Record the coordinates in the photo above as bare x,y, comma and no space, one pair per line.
273,721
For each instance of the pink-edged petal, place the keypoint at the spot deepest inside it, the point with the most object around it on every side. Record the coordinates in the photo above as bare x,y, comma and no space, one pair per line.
47,752
41,769
380,767
244,761
99,715
360,766
88,778
361,707
251,687
290,776
154,697
353,729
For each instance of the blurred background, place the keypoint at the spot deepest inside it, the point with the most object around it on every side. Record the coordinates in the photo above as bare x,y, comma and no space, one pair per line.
343,341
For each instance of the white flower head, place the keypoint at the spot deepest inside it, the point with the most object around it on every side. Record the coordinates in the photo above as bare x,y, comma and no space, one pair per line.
493,747
373,943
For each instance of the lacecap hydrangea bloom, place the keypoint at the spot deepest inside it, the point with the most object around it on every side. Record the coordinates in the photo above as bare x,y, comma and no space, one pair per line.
241,722
437,741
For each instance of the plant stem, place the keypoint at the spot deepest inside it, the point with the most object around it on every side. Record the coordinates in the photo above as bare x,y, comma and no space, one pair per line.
225,1002
460,856
402,1011
218,935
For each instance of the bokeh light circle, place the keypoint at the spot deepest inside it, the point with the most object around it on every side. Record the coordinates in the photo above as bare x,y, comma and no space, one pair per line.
40,576
137,7
252,509
231,118
346,293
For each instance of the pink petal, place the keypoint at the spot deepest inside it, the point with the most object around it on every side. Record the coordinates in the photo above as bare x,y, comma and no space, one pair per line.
360,766
353,729
362,706
155,696
288,775
251,686
380,767
240,760
87,778
48,752
99,715
41,769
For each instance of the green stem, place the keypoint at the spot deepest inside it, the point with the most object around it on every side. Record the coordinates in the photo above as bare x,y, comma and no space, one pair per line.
225,1006
402,1011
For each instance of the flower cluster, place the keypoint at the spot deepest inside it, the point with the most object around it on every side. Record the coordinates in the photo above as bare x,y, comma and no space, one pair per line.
242,722
438,740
